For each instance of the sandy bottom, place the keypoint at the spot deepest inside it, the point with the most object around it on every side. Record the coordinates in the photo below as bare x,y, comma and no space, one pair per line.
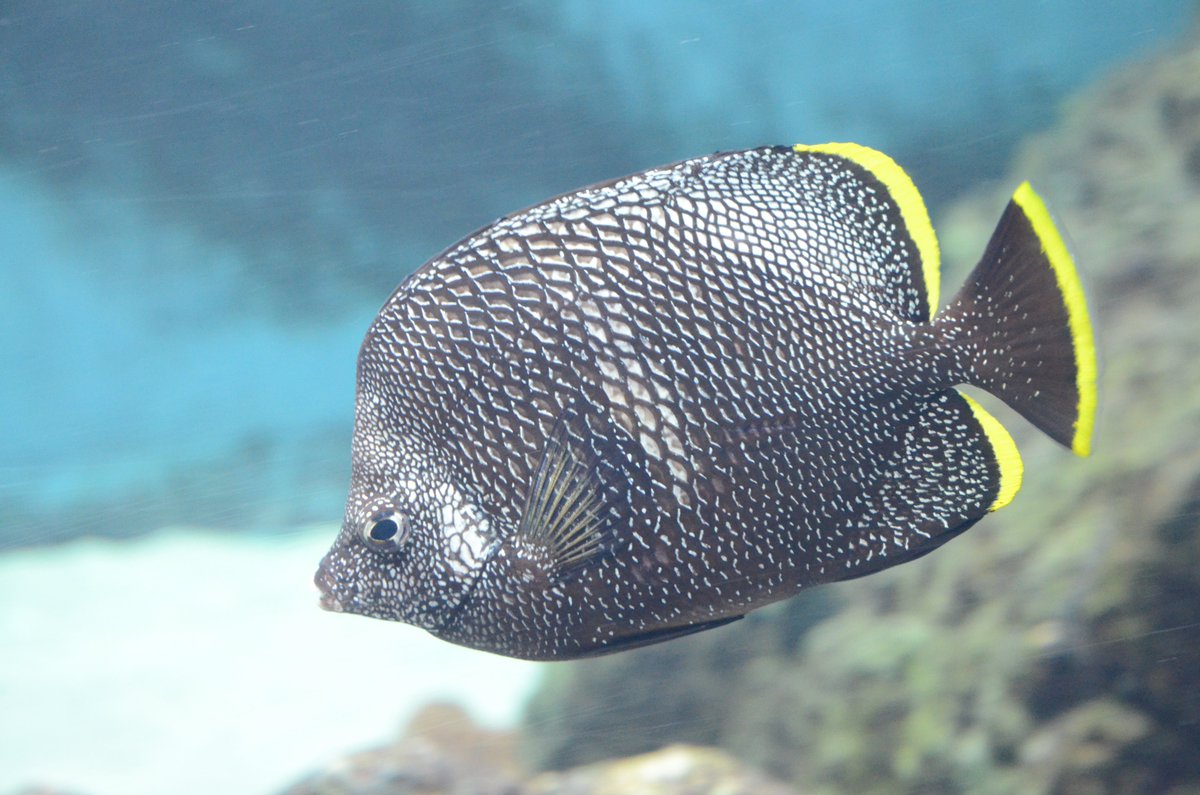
197,663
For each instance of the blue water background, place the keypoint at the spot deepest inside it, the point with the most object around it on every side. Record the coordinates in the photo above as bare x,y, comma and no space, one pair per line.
203,205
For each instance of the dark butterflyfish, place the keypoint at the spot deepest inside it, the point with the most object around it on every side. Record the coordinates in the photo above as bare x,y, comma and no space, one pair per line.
648,407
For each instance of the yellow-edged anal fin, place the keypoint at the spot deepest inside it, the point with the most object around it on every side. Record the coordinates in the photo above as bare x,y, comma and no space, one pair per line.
907,198
1008,458
1079,323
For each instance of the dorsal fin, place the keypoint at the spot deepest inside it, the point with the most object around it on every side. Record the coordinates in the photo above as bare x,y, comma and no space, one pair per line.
895,229
565,508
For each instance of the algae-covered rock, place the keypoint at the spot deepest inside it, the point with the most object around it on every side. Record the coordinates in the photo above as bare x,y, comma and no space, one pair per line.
441,752
1055,648
677,770
682,691
1081,750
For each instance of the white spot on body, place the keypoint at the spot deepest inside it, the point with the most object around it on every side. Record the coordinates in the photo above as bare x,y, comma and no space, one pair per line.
465,529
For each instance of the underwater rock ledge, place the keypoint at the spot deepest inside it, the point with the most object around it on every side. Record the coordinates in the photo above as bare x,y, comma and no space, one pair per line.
442,752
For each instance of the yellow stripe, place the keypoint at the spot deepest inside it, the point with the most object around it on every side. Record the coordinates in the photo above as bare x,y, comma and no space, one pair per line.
907,198
1077,314
1012,469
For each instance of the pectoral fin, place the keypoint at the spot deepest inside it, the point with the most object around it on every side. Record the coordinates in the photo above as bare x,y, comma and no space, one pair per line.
566,512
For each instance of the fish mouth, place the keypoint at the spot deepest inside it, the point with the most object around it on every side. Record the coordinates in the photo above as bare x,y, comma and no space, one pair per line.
327,600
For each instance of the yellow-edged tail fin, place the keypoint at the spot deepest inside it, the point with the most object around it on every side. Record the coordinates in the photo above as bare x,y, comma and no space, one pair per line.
1022,321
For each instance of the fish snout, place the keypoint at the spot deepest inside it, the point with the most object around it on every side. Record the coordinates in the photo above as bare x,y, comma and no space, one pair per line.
327,584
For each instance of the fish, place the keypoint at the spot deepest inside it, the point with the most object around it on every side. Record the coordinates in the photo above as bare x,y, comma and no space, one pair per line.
646,408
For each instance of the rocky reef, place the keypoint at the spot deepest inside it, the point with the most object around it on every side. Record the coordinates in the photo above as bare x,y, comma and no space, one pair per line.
442,752
674,770
1054,648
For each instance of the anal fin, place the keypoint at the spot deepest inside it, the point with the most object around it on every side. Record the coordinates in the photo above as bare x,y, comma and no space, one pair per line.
956,463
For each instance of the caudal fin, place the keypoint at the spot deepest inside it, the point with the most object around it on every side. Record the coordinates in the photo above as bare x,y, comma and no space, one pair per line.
1021,325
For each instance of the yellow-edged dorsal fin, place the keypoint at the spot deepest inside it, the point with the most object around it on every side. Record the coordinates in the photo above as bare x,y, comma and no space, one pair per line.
907,198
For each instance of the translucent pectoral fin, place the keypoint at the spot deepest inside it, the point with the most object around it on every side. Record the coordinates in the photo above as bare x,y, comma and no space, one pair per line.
566,514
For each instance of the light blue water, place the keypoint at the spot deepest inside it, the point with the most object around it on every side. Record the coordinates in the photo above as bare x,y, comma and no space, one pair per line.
119,365
183,293
201,209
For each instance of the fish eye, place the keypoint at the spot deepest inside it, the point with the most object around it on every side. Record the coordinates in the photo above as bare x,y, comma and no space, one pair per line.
386,528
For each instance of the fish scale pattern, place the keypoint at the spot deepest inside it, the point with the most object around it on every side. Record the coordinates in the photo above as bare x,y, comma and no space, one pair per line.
730,339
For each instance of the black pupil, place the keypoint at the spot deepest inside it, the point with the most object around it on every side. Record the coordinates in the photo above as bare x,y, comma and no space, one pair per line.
384,530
